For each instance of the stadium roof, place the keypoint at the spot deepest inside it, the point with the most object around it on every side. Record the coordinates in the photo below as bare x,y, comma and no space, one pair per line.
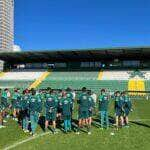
98,54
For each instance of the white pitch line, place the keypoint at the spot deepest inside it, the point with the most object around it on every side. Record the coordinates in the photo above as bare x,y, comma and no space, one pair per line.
26,140
43,134
140,120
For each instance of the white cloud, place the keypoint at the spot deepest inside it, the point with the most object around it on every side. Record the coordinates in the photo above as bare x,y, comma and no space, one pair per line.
16,48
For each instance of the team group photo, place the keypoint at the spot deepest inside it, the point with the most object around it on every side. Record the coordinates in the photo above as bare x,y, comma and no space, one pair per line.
74,75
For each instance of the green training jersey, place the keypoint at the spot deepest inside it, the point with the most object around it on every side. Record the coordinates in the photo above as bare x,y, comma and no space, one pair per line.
103,102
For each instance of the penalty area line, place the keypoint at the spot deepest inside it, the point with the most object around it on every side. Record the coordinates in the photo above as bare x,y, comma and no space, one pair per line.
26,140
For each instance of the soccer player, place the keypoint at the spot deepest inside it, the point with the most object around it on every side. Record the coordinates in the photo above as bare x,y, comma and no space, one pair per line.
126,107
83,109
1,115
70,97
91,105
25,110
59,108
119,108
103,108
51,110
16,97
66,103
4,102
34,111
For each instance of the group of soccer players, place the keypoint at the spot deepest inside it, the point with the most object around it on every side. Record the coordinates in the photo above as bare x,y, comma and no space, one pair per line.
57,106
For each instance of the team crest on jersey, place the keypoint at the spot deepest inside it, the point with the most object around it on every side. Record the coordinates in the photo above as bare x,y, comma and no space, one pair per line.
84,97
50,99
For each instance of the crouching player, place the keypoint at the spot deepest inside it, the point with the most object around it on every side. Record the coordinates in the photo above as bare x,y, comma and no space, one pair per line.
103,108
66,104
127,108
119,109
25,110
34,112
51,110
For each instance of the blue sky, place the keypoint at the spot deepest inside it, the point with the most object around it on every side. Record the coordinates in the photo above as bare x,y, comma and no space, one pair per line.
65,24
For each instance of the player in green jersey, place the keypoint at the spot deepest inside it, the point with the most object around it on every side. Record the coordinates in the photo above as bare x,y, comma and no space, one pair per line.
1,113
91,106
34,111
16,97
83,109
70,96
127,107
103,108
59,108
5,102
25,110
66,103
51,105
118,108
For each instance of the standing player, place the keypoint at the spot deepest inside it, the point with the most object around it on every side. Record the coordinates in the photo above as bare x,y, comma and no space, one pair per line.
103,108
4,102
127,107
66,103
25,110
83,110
1,114
118,109
70,97
51,110
91,106
16,104
34,114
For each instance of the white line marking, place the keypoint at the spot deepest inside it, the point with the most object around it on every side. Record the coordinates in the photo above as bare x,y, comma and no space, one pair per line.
43,134
26,140
140,120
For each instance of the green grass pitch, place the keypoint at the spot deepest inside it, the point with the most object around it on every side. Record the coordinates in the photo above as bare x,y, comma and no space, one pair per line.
136,137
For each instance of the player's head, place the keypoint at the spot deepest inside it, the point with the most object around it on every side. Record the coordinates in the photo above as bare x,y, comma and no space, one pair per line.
64,93
103,91
51,91
84,89
68,89
24,92
6,90
33,92
89,92
48,90
117,93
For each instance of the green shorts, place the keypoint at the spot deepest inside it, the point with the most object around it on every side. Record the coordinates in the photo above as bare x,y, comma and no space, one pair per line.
50,116
83,114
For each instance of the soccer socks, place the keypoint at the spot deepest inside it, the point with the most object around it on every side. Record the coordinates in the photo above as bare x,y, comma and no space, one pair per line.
65,125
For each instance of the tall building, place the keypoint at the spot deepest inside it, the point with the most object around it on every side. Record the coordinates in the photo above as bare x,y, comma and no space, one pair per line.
6,25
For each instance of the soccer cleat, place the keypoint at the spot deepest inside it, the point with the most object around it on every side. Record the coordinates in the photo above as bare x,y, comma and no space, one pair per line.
77,133
4,121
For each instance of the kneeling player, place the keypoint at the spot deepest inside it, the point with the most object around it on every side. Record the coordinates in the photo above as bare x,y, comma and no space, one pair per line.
51,110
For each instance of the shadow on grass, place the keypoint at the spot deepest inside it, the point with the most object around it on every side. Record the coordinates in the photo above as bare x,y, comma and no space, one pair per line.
140,124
